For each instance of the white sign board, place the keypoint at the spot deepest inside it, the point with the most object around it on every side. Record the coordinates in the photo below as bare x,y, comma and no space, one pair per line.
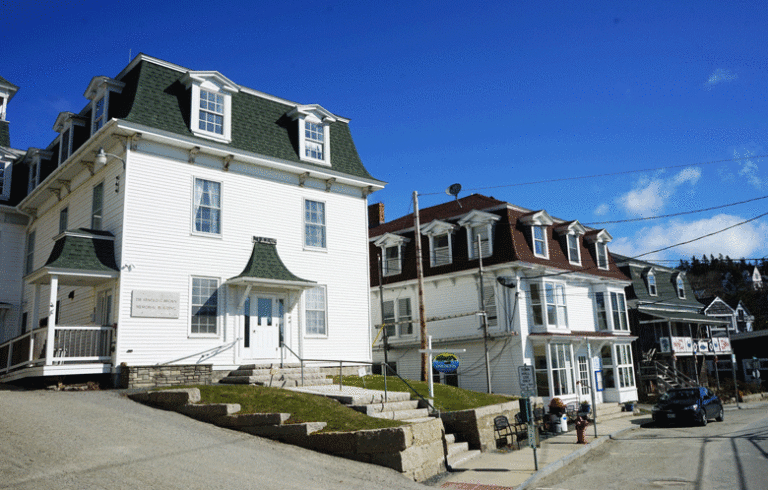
526,377
154,304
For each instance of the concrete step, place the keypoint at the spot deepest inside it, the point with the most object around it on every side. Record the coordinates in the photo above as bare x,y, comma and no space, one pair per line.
374,408
246,371
402,414
462,457
418,420
278,382
450,438
356,396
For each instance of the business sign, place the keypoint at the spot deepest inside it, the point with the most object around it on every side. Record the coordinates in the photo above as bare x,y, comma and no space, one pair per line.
664,345
445,363
154,304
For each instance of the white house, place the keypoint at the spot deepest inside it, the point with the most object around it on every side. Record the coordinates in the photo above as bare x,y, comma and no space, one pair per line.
552,295
182,218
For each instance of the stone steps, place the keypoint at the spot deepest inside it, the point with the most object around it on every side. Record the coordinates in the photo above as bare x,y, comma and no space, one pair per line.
374,408
416,413
279,377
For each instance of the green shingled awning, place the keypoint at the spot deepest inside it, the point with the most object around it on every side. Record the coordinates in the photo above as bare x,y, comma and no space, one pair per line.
265,268
80,257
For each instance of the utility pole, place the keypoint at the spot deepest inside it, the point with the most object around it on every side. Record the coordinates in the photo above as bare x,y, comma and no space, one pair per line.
484,315
381,303
420,277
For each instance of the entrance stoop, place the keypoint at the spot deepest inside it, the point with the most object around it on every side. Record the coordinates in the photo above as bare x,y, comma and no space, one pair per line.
272,375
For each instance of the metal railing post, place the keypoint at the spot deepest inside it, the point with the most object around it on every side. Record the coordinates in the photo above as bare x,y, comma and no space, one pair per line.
341,376
302,371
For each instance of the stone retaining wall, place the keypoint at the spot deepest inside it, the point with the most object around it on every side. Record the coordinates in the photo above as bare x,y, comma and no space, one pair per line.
162,376
476,426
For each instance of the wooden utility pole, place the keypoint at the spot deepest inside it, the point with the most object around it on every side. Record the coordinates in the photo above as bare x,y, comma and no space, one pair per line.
420,277
381,304
484,314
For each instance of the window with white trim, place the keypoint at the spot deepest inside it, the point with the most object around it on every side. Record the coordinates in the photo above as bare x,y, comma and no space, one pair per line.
400,320
539,241
63,219
315,311
584,375
574,254
97,206
211,104
205,306
440,249
99,114
207,207
556,310
624,366
602,313
211,115
535,291
393,263
98,92
602,255
29,259
65,148
651,278
619,311
609,377
314,224
680,287
562,369
314,140
483,234
34,175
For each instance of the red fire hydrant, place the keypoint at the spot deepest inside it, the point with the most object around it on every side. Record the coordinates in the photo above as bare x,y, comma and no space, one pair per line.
581,430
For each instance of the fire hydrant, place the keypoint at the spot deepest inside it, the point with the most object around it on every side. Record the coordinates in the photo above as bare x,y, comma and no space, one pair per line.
581,430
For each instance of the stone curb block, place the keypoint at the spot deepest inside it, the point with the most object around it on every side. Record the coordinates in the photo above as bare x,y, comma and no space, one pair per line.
252,419
210,412
287,431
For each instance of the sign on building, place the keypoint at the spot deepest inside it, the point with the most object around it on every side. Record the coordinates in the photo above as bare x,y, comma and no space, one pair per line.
154,304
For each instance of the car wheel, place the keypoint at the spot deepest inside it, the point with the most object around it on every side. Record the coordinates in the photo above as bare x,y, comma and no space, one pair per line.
720,414
703,420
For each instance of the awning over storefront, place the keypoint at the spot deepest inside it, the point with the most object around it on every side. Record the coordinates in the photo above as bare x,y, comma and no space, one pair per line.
679,316
79,257
266,269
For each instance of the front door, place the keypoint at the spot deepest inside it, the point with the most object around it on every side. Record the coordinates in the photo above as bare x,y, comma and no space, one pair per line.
263,326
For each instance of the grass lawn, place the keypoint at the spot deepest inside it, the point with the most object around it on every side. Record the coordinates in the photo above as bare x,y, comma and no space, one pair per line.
447,398
303,407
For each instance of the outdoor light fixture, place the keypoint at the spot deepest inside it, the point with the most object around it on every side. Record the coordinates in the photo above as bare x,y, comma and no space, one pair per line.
101,157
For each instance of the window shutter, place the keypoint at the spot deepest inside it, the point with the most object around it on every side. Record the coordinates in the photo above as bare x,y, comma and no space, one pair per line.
489,297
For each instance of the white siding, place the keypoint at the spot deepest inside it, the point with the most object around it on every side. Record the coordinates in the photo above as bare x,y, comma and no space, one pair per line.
11,264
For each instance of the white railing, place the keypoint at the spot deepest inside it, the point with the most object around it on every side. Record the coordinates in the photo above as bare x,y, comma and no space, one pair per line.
71,345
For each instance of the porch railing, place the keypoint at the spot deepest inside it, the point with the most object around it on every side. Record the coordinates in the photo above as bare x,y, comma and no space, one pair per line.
71,345
664,375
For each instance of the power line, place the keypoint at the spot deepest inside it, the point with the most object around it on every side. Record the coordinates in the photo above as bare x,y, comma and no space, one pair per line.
674,214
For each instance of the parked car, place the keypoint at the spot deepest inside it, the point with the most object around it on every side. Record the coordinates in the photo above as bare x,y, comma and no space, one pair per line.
696,404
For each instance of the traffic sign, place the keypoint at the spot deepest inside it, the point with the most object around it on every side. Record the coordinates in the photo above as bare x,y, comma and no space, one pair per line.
527,380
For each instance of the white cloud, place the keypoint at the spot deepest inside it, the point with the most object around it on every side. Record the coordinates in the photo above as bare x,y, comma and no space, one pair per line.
747,240
719,76
602,209
651,195
749,169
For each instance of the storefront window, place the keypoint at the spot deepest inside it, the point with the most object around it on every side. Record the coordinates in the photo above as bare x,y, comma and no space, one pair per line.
562,369
540,366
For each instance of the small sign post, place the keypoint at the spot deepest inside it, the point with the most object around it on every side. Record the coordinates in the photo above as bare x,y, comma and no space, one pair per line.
429,350
527,378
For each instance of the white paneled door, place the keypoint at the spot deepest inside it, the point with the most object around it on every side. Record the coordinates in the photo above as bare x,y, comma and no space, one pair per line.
263,326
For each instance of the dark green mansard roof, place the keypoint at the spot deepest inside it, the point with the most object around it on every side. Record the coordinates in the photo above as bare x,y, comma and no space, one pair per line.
154,96
265,263
85,250
666,285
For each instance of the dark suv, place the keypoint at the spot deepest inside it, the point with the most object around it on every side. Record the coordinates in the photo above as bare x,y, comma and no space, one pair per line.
688,405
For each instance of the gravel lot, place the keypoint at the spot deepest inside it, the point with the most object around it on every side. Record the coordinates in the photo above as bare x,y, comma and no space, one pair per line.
100,439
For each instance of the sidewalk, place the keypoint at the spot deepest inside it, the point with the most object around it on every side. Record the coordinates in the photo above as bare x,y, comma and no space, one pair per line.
507,470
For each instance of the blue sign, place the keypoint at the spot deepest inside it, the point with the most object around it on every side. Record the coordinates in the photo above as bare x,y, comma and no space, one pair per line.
445,363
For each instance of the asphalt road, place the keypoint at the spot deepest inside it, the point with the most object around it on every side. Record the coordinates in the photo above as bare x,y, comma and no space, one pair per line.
89,440
725,455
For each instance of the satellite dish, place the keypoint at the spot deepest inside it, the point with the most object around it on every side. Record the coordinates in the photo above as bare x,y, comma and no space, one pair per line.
454,190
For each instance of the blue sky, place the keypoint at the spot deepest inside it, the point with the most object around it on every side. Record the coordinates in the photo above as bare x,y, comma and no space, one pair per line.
490,95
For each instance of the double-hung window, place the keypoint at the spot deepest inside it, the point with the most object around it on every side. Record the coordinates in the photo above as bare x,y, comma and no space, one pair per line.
314,224
556,310
211,116
441,249
97,206
489,305
29,261
619,311
398,322
5,179
315,311
680,287
574,256
539,241
207,207
602,314
562,369
205,308
624,366
651,284
602,255
64,146
99,114
314,135
482,234
535,291
393,263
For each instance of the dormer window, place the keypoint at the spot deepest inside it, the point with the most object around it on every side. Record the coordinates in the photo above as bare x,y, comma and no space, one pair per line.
600,239
571,232
98,92
314,132
539,241
440,243
211,100
652,284
391,253
680,286
65,125
33,159
479,227
538,221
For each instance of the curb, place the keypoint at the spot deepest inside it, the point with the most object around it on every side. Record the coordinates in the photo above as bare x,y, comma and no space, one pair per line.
564,461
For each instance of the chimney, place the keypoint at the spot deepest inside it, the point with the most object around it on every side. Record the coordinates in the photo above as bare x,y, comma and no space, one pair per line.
375,214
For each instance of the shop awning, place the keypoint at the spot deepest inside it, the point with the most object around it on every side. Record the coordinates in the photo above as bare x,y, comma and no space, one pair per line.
679,316
266,269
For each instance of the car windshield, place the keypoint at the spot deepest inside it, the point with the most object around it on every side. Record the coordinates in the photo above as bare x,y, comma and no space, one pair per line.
679,395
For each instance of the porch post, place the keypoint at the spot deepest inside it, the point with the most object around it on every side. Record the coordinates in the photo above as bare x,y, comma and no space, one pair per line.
35,308
51,320
574,369
549,369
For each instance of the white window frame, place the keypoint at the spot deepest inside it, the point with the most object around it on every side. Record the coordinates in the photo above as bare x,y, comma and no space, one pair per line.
34,175
625,371
577,259
544,253
392,266
195,206
602,310
559,367
99,90
309,224
398,314
65,150
653,289
680,287
602,258
445,253
193,305
537,303
313,307
97,213
471,222
619,310
214,83
483,230
104,312
321,118
551,302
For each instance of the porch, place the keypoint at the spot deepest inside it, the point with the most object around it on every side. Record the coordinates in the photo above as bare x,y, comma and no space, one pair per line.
57,351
